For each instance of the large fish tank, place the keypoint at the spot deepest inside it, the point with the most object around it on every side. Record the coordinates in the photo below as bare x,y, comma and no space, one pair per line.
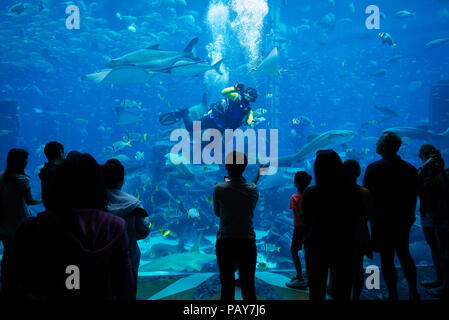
329,72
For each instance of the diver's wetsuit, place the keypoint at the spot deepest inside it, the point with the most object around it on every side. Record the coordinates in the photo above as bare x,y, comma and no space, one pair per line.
228,113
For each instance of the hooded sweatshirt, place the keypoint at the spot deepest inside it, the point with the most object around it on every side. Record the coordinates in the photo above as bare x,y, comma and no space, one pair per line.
95,242
124,205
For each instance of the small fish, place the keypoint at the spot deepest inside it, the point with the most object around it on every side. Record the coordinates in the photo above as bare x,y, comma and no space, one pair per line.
131,104
260,111
5,132
81,121
404,14
193,213
120,145
38,110
161,97
150,225
395,58
351,7
38,90
269,247
140,155
262,266
269,95
165,232
379,73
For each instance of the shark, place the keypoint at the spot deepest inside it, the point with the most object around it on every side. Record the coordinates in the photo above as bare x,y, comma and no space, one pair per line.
186,171
192,68
421,134
327,140
190,261
154,58
283,178
436,43
270,66
123,74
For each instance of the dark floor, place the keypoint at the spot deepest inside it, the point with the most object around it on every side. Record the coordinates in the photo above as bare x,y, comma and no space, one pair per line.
210,289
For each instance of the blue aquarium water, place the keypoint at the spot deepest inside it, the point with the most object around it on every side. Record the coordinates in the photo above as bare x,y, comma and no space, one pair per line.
318,66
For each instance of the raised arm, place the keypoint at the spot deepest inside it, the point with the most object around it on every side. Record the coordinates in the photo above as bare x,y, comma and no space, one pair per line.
231,93
261,168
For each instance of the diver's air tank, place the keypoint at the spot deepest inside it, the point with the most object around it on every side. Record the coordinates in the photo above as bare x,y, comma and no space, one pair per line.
9,128
439,106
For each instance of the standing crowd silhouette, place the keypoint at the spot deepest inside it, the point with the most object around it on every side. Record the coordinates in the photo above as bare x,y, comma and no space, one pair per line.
90,223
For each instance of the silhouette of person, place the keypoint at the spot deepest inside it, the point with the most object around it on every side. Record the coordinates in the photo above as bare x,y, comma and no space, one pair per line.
54,151
363,241
127,207
234,203
330,208
393,184
15,196
77,233
433,190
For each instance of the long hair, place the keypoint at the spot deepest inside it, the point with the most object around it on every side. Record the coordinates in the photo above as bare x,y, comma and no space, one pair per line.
15,164
79,183
339,199
329,170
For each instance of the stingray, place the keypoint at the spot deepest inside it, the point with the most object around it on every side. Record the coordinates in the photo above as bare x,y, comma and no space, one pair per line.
193,260
125,74
270,66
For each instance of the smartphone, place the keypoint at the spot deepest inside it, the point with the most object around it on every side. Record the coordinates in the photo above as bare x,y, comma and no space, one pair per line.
227,179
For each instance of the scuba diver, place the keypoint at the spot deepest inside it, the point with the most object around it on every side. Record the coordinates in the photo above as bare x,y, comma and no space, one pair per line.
388,39
230,113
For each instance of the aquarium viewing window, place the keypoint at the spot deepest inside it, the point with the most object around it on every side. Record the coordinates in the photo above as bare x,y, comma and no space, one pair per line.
170,88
